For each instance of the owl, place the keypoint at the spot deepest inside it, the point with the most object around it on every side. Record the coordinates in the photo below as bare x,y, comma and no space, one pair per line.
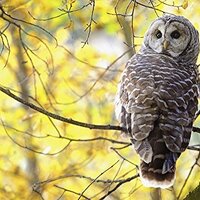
157,96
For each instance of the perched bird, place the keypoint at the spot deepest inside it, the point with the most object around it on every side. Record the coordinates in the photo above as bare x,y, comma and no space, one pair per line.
157,97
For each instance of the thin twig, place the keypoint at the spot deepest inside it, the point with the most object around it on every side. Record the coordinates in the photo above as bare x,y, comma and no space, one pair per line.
118,185
71,191
124,157
31,149
97,178
186,180
89,26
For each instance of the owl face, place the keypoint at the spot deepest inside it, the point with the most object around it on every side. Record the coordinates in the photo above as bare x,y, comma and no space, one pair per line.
168,36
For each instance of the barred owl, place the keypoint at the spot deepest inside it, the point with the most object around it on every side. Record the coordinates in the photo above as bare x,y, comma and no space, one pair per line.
157,97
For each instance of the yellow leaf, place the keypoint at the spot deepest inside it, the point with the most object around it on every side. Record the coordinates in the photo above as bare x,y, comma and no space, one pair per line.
185,4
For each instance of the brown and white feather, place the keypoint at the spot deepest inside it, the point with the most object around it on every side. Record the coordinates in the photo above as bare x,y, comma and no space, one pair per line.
156,102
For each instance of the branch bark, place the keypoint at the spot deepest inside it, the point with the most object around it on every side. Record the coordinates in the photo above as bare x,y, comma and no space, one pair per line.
58,117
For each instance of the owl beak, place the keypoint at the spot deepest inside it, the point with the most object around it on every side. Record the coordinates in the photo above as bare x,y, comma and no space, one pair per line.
165,44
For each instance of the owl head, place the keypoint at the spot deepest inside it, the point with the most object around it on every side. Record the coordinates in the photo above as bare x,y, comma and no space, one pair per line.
174,36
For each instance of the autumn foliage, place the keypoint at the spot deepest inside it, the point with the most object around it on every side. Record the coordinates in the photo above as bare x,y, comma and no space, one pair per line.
60,62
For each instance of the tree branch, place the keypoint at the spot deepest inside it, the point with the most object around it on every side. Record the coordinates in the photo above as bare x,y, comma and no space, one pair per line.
118,185
58,117
188,176
68,120
194,195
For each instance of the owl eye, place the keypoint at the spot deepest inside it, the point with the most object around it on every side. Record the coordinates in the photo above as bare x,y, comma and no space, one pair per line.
175,34
158,34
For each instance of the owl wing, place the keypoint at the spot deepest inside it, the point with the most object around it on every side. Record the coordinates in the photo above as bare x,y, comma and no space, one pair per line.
136,109
179,91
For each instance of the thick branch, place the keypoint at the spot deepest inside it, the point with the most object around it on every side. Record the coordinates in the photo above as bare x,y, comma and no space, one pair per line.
58,117
68,120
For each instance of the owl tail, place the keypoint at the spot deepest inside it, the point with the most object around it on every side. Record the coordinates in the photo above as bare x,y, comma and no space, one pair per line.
160,172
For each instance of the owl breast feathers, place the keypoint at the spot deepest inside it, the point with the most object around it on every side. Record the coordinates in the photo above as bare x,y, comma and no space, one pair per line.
156,102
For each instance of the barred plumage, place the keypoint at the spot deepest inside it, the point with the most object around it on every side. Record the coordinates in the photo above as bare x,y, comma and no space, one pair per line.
157,98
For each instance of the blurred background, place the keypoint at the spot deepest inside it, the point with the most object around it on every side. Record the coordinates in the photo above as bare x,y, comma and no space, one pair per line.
66,57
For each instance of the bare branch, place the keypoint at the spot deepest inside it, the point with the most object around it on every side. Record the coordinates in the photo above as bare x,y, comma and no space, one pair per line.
58,117
70,139
67,190
67,120
124,157
118,185
97,178
171,5
89,26
108,181
31,149
188,176
13,20
194,147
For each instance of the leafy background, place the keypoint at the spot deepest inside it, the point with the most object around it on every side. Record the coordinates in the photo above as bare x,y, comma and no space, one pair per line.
66,57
